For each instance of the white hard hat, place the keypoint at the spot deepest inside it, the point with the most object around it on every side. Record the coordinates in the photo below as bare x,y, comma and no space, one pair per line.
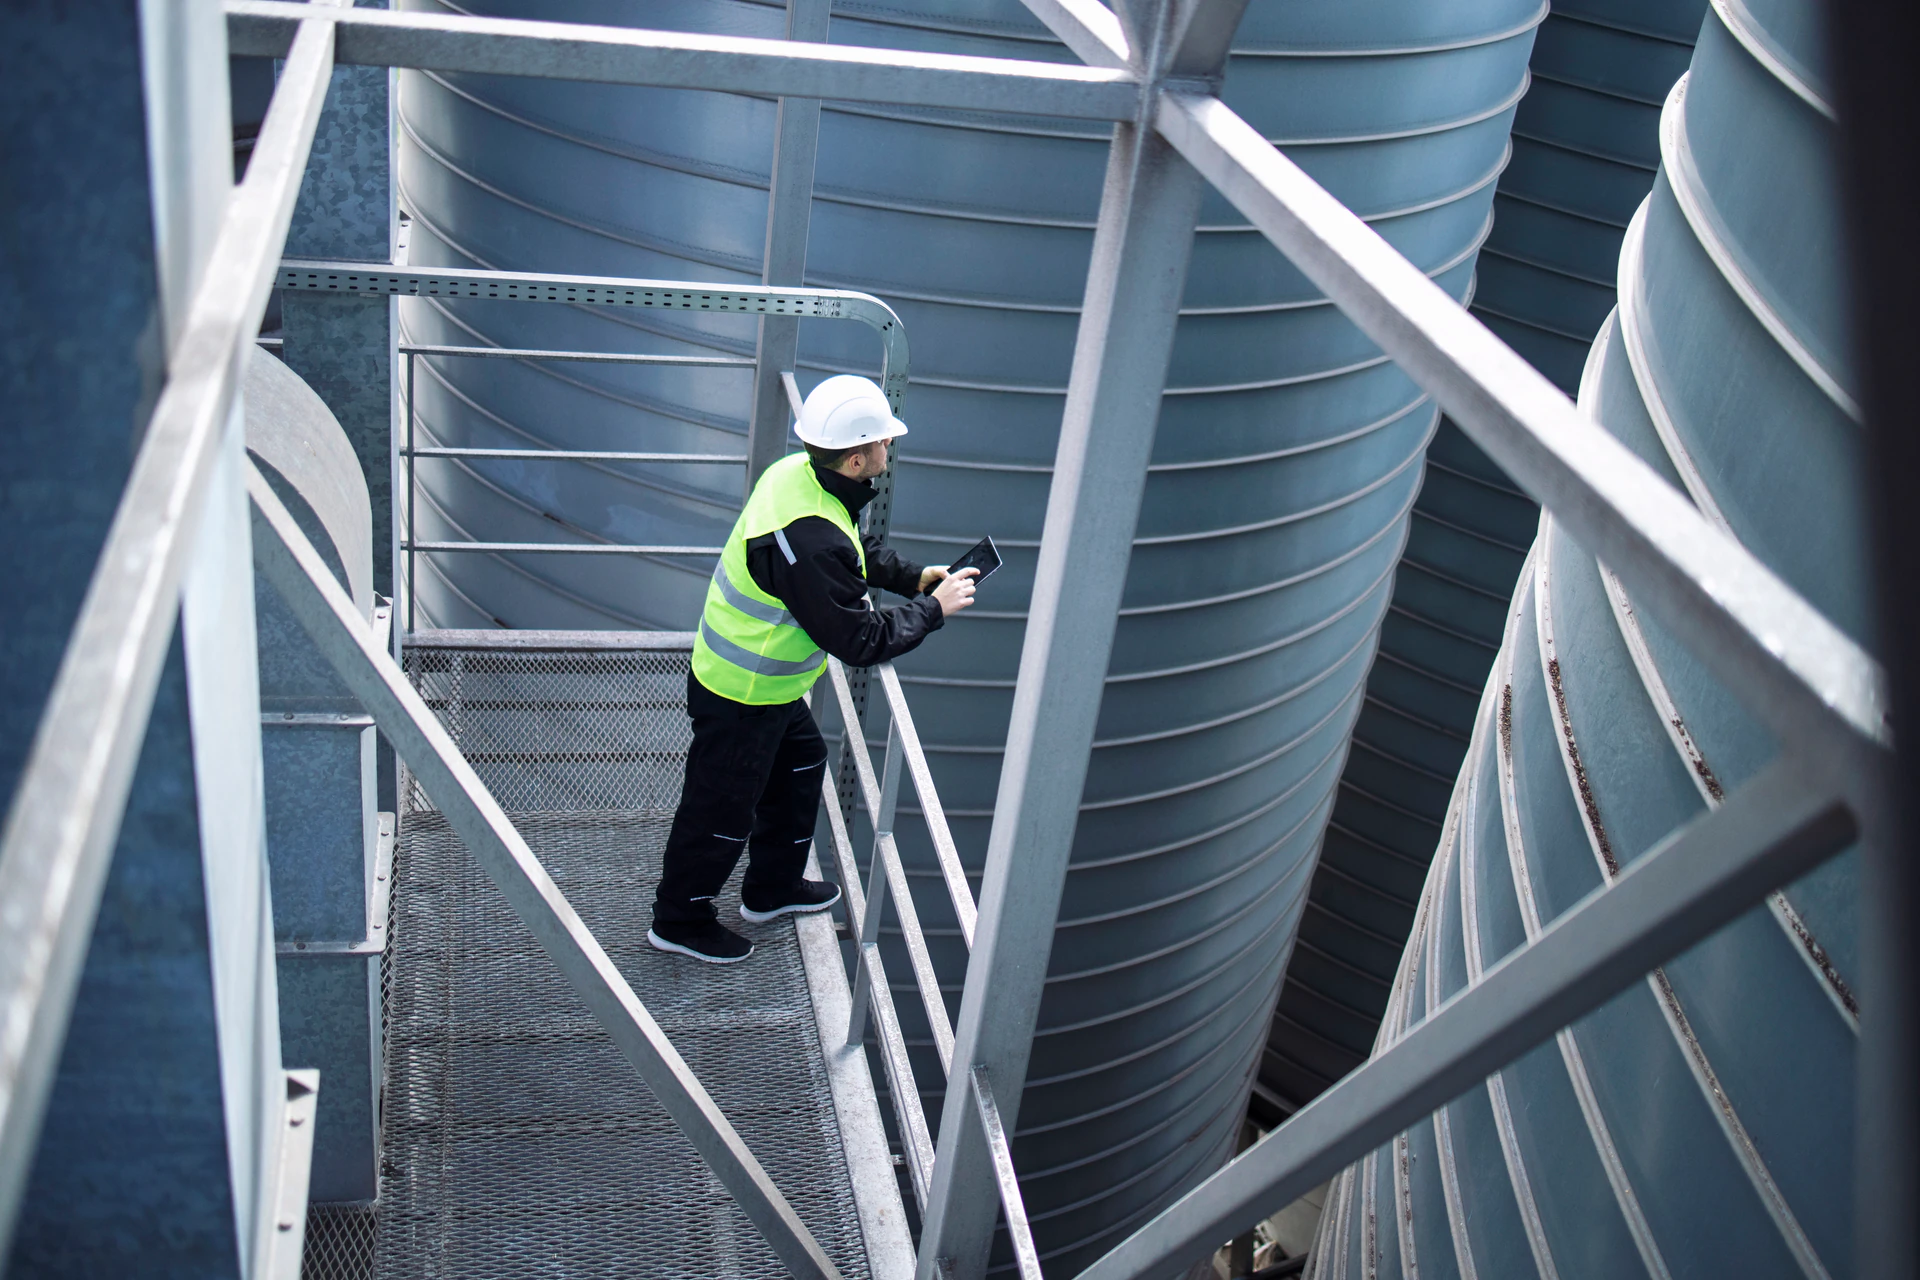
845,412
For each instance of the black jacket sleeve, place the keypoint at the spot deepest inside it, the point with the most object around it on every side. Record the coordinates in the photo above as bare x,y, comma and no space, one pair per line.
821,586
888,570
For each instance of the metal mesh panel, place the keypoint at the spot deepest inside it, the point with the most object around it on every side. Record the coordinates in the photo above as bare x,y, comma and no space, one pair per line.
564,731
339,1243
518,1140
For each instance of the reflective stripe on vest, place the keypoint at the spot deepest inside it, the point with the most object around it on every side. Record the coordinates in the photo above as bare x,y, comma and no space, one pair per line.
746,604
748,647
754,662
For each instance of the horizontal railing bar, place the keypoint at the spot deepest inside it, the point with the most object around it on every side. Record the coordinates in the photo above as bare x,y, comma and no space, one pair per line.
872,971
379,279
567,641
1776,828
843,853
66,810
1019,1231
564,548
855,740
689,60
878,887
584,357
309,590
918,1146
570,455
938,1020
1790,665
908,1111
965,911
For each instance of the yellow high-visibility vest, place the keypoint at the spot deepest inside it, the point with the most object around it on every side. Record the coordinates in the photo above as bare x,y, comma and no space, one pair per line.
749,648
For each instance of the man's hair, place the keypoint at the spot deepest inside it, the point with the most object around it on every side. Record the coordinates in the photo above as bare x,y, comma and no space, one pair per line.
830,458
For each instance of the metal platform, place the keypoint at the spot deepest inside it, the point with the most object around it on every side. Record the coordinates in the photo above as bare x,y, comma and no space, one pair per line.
518,1140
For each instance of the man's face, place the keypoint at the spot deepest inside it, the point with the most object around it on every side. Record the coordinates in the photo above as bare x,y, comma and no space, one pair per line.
871,460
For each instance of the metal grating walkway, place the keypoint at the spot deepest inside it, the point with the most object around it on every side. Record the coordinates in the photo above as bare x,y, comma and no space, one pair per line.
518,1140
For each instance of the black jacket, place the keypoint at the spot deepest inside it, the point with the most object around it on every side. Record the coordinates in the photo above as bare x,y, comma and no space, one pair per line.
817,576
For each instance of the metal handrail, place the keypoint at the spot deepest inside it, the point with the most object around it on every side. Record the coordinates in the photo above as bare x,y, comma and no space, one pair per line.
965,911
887,874
879,796
917,1141
380,280
570,455
584,357
573,548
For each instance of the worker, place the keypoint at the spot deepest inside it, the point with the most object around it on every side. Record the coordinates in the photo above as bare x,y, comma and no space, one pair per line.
791,588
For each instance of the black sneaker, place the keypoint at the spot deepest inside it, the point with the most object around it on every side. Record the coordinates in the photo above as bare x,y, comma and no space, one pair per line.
760,905
707,940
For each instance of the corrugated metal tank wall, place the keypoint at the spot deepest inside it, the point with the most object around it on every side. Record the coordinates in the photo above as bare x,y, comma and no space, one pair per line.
1585,147
1288,456
1701,1122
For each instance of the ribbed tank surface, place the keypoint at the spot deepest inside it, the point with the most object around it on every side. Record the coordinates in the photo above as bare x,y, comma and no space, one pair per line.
1585,148
1700,1123
1287,459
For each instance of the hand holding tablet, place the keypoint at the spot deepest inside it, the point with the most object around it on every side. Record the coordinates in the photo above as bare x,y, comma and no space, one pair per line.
983,555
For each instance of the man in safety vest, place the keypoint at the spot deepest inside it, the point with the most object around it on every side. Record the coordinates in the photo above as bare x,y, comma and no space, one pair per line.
791,588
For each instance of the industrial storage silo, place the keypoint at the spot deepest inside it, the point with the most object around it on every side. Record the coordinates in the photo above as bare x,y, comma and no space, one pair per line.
1585,149
1701,1122
1288,456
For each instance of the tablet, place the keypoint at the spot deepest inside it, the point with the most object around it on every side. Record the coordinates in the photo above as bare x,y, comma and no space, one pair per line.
982,556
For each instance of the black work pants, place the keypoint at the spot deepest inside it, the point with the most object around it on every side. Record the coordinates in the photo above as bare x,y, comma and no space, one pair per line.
753,783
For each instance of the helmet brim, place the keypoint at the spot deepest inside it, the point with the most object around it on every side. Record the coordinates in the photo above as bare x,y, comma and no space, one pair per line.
895,429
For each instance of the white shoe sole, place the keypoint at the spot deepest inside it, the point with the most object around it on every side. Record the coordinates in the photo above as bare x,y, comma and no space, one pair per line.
798,909
661,944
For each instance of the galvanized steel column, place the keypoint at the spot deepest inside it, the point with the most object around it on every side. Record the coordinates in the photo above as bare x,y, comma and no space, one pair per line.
1134,288
789,215
1120,361
343,348
160,1145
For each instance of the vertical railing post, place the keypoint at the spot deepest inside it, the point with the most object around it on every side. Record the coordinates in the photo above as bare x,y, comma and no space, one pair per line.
1134,286
876,884
413,494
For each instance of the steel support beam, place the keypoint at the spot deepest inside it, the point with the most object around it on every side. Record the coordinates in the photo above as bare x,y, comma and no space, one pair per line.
1778,827
1134,286
789,216
1792,667
677,60
362,662
66,810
